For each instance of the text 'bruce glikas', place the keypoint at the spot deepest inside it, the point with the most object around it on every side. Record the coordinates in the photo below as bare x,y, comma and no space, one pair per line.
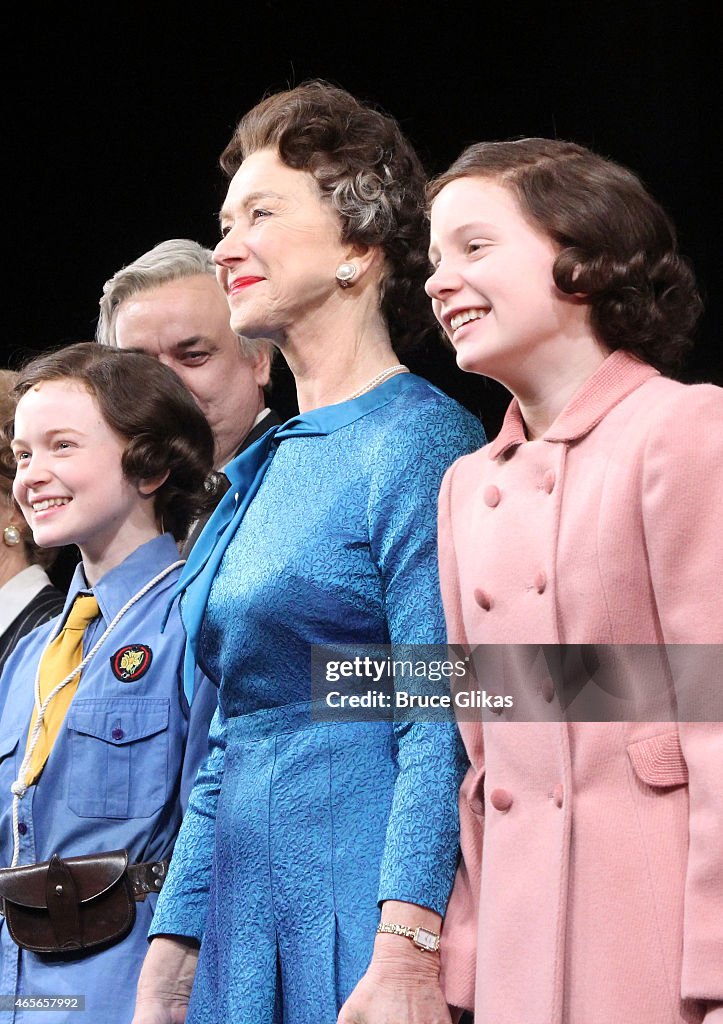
402,699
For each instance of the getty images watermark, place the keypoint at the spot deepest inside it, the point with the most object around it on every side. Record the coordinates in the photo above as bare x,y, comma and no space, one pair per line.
518,682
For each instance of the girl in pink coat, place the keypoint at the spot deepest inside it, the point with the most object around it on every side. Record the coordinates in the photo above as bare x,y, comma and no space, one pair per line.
594,518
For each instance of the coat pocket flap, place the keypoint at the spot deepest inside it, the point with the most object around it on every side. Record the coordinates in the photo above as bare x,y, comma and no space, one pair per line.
119,720
658,760
27,885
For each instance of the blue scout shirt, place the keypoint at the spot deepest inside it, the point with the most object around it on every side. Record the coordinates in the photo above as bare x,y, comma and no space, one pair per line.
125,755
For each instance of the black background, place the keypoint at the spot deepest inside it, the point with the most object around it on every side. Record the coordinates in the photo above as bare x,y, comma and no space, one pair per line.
115,119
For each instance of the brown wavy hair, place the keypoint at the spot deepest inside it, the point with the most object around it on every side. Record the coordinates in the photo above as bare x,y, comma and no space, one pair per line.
144,402
370,173
618,247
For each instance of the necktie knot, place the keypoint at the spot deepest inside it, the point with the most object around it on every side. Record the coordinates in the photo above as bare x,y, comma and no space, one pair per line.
84,610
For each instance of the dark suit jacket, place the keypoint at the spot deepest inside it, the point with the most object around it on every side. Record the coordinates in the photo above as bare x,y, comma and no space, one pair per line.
46,604
269,420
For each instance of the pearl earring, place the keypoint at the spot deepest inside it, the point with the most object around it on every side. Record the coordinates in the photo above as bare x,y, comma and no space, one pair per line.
345,274
11,536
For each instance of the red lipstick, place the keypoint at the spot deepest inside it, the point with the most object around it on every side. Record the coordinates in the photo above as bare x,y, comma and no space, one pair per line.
243,282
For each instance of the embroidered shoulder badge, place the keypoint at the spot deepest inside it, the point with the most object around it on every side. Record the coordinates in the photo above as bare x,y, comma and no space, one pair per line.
131,662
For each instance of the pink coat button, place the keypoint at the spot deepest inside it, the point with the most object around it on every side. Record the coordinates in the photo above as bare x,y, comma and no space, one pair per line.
540,582
492,496
483,599
548,690
548,480
501,800
557,795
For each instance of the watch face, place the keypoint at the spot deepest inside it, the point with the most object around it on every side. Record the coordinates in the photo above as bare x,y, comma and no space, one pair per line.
427,940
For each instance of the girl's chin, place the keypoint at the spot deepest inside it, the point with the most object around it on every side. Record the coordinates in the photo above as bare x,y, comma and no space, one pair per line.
45,538
469,361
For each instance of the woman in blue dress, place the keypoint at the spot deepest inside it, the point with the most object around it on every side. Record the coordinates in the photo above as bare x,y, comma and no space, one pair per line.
299,830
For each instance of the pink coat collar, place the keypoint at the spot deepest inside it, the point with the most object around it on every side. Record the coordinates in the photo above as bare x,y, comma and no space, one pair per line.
615,379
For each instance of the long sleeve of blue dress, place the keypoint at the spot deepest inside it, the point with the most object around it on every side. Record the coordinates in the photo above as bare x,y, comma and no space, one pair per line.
416,865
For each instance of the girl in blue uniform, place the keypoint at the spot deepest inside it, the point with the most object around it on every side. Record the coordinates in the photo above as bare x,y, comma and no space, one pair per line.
113,455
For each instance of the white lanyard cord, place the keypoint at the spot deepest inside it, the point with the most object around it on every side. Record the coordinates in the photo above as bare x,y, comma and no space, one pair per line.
19,788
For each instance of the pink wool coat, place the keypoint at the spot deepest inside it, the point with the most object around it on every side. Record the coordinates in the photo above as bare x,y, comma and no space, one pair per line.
596,896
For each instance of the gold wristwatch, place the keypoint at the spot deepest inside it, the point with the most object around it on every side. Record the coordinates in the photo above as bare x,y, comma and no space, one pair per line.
421,937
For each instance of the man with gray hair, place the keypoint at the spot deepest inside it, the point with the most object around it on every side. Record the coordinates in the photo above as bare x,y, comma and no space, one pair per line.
168,304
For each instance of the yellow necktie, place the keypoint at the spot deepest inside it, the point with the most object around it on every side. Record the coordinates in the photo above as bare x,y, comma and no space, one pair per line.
60,658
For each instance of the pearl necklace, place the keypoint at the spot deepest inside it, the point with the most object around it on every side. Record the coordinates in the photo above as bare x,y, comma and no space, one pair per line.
391,371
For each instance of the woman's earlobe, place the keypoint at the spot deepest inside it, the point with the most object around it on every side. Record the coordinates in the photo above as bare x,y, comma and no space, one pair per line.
365,257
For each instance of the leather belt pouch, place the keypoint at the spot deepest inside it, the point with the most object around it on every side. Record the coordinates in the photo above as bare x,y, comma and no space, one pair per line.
66,905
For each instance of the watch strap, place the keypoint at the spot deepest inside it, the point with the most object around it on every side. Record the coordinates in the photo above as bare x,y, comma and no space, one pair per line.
423,938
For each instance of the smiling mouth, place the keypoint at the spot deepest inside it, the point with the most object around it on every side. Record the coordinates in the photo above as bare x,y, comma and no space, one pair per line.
243,282
43,506
459,319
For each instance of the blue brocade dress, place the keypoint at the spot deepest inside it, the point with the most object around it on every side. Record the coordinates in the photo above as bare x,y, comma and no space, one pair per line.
297,828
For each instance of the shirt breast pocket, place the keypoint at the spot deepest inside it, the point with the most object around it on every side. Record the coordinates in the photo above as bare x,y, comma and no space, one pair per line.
8,765
119,756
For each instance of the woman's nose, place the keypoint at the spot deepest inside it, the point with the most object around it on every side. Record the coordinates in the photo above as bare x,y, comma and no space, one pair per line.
219,253
229,249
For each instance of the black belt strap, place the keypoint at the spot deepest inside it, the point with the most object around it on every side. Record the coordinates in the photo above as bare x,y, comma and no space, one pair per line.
148,877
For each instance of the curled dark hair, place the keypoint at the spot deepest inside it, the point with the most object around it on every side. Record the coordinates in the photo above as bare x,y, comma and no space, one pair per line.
370,173
618,247
144,402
